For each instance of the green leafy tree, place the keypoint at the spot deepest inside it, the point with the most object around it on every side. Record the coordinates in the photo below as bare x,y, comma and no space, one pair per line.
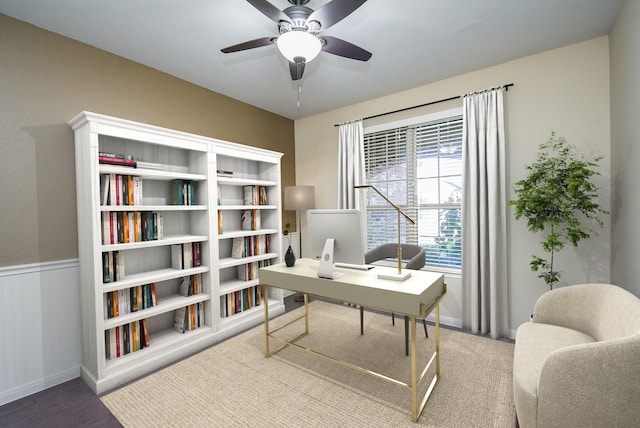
558,200
449,241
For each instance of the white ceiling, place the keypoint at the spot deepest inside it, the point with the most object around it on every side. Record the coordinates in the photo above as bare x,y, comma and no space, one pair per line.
414,42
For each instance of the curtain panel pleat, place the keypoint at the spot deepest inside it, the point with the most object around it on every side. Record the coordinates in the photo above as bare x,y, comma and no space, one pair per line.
484,264
351,170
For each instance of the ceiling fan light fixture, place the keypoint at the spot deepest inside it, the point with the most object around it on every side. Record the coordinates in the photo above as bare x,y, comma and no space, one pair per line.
298,44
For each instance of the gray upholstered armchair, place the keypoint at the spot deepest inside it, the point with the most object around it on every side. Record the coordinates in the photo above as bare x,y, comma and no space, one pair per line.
415,258
577,363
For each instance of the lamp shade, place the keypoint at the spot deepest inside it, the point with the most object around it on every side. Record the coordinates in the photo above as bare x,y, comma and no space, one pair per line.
299,198
299,44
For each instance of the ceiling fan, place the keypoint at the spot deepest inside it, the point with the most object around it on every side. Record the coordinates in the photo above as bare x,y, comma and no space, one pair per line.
299,27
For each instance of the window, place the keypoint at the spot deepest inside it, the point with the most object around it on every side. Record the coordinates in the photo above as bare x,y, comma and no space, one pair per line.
419,167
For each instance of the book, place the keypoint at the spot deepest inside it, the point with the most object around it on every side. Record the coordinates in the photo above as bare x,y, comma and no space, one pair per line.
179,320
224,173
106,276
183,286
237,250
160,227
154,294
192,317
130,190
116,159
137,190
250,219
126,339
135,337
148,165
177,194
112,189
248,195
145,333
177,257
104,189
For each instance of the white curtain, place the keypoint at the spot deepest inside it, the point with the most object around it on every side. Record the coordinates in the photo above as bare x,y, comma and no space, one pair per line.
484,263
351,169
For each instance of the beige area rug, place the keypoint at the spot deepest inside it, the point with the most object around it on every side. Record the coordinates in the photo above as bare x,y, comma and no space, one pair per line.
232,384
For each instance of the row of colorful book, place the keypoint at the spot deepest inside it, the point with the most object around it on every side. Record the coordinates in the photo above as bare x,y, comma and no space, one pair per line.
187,255
246,246
183,192
240,301
121,227
250,219
249,271
129,300
255,195
189,318
190,285
125,339
116,189
126,161
112,266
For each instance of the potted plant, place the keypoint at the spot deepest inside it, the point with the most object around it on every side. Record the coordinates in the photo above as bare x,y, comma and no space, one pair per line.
557,198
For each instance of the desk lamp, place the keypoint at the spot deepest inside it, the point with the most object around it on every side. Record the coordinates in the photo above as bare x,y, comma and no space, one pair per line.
400,276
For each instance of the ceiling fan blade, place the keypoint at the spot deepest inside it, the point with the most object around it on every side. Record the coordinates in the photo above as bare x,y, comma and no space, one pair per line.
269,10
339,47
296,69
334,11
251,44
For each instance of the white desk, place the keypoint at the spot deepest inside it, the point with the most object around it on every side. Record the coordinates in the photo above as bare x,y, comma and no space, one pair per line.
415,297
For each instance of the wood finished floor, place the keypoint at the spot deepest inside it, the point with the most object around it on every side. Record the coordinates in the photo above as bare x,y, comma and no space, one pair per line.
70,404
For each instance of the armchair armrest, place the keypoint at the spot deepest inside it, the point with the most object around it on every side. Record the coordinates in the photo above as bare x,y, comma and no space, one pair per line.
577,382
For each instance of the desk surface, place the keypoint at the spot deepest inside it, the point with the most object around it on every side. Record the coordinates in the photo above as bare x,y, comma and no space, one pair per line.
413,296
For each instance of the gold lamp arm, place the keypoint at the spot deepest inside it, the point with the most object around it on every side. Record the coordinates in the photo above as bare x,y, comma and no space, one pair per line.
397,208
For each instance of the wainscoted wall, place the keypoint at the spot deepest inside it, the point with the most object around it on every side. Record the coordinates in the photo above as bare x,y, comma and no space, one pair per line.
39,327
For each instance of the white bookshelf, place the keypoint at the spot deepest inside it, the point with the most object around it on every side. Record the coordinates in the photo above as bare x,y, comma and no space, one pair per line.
176,156
260,171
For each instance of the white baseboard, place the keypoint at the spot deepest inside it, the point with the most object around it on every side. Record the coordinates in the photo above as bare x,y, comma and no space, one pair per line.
38,385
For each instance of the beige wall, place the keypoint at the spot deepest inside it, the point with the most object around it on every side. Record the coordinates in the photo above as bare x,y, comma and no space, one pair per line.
625,146
47,79
566,90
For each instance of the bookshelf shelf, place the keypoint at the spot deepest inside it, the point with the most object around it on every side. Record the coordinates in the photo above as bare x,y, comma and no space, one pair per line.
243,233
150,174
167,240
236,285
227,262
157,216
107,208
165,305
163,341
245,182
152,276
237,318
246,207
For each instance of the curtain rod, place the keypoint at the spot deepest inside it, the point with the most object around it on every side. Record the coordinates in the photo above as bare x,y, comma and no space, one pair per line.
506,88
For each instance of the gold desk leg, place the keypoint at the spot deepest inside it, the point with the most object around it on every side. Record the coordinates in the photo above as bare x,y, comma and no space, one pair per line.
306,313
438,340
265,290
414,374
